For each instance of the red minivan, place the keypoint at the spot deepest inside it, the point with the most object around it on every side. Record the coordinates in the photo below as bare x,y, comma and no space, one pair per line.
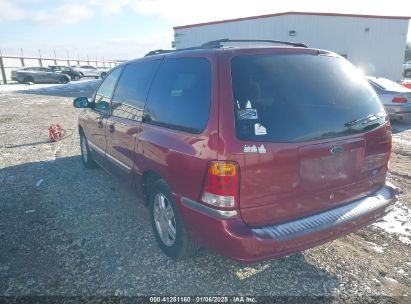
255,152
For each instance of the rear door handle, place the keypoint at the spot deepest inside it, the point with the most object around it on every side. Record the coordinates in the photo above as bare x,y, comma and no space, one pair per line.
111,128
100,123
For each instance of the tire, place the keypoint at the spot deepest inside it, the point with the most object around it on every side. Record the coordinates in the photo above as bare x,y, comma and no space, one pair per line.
76,78
165,219
96,77
103,75
86,156
28,79
63,80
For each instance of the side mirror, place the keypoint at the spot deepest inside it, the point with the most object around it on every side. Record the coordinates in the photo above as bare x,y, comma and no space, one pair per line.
81,102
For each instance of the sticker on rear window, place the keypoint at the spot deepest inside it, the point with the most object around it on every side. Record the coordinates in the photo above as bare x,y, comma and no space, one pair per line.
259,129
247,114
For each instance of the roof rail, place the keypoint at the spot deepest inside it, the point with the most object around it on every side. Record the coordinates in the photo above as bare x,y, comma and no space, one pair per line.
156,52
218,43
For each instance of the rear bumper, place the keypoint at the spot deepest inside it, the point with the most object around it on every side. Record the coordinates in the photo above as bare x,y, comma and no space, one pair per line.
228,235
399,111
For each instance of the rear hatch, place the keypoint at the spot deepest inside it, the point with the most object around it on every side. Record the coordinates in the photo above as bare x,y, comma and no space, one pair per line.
311,134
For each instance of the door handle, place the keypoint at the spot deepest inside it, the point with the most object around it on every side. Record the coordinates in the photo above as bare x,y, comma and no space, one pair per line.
100,123
111,128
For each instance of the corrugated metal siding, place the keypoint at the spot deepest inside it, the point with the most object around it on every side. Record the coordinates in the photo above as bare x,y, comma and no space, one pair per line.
379,52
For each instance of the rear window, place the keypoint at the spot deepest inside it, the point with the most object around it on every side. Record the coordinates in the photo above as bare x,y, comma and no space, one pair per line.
300,97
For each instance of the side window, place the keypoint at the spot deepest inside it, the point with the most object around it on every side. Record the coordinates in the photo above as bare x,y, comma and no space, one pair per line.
180,95
132,89
105,91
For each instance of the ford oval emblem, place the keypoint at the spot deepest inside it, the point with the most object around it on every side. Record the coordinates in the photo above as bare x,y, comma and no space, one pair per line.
336,150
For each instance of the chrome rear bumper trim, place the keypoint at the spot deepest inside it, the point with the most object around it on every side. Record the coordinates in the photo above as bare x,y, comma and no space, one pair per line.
223,214
327,219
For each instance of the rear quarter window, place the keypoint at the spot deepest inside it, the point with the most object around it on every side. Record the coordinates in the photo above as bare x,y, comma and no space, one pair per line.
180,95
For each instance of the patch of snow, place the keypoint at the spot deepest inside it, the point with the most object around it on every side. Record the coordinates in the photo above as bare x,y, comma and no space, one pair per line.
53,158
398,222
9,88
405,240
401,141
71,89
247,272
376,247
401,271
39,182
392,280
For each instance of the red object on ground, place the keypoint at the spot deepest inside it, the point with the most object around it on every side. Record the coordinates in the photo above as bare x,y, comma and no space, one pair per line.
56,132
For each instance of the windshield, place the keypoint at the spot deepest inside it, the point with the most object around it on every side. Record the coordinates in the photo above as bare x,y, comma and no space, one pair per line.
300,97
388,85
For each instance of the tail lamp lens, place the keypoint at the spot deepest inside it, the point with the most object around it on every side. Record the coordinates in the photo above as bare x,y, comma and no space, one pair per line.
221,185
399,100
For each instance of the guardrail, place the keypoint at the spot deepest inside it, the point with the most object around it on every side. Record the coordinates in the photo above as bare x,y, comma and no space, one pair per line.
9,63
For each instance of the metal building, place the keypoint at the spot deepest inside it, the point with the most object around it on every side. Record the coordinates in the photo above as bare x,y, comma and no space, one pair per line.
376,44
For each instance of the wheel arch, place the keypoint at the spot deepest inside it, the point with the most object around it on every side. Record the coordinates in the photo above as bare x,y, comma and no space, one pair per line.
148,179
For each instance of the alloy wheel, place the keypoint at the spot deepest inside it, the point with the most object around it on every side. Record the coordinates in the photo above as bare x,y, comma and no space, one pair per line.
164,219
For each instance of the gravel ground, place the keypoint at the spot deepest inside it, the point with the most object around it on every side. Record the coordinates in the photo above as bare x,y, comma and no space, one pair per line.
66,230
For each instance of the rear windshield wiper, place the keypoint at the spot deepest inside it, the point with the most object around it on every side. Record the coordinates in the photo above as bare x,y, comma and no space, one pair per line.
365,120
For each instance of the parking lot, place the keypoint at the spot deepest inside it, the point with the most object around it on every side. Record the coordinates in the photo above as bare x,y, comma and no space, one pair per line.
66,230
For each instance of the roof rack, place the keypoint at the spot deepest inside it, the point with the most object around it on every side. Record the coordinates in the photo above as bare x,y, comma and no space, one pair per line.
156,52
218,43
160,51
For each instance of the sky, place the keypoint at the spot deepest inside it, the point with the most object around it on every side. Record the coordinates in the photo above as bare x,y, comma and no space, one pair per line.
126,29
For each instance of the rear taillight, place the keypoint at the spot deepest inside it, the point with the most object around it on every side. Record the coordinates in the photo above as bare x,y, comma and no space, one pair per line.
399,100
221,185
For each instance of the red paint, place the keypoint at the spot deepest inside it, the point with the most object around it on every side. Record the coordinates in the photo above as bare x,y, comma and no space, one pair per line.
291,13
283,184
233,238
